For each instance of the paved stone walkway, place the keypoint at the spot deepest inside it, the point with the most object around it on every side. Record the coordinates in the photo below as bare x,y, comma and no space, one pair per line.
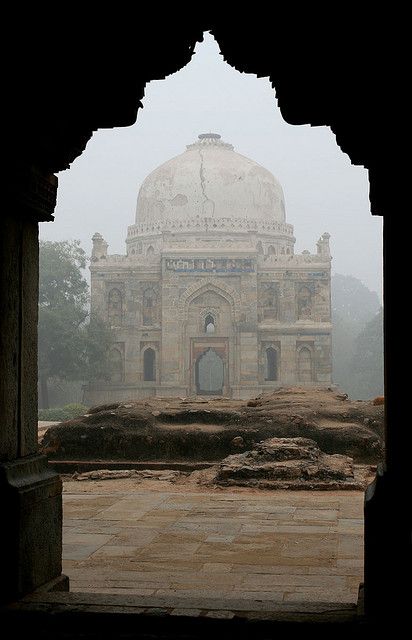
267,546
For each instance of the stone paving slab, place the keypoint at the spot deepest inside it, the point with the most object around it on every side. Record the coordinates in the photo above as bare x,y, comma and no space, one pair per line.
203,545
136,603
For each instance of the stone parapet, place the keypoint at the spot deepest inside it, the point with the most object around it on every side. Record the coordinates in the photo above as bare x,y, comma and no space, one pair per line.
199,224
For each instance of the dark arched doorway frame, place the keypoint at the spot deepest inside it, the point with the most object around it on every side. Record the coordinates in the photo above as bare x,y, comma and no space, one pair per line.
209,373
55,130
149,365
271,364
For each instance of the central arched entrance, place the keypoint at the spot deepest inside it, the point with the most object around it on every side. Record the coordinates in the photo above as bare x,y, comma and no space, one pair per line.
209,373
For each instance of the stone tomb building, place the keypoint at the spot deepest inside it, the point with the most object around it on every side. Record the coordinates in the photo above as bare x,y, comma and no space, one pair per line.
210,297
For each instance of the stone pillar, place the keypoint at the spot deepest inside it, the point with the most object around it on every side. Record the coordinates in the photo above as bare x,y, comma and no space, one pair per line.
175,348
249,374
247,337
30,493
388,499
288,374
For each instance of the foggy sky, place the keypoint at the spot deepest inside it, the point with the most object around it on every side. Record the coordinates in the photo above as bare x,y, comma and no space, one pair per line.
323,191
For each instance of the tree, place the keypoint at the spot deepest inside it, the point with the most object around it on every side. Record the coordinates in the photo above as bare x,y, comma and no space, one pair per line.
352,300
71,345
353,306
367,362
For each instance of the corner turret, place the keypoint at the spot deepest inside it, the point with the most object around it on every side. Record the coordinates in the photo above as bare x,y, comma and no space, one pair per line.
99,251
323,245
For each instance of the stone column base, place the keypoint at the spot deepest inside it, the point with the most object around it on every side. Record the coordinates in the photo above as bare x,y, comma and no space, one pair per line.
61,583
31,531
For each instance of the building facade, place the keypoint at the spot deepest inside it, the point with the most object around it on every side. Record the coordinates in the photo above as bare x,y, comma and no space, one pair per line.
210,298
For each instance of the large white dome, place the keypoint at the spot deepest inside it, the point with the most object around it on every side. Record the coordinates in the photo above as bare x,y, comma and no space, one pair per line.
209,183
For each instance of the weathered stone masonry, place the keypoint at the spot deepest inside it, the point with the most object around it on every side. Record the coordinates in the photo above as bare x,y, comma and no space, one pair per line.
210,297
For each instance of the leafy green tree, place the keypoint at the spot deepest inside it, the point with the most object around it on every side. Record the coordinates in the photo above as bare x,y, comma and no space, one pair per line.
367,361
98,338
353,306
72,346
344,334
352,300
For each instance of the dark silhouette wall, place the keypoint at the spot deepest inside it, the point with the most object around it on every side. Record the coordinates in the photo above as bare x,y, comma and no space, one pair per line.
74,75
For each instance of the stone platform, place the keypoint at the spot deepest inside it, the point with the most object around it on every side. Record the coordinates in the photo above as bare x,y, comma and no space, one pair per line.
160,540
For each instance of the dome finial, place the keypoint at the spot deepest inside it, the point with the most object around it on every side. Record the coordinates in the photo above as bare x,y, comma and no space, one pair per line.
212,136
209,141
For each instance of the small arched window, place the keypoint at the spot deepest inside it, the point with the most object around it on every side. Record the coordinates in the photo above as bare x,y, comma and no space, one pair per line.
149,365
304,302
271,364
305,365
150,251
269,300
259,247
115,307
210,324
149,306
271,250
116,365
